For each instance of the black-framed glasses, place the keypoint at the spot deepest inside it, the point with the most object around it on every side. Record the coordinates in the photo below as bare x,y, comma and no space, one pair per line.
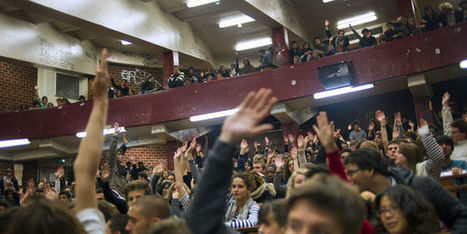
391,211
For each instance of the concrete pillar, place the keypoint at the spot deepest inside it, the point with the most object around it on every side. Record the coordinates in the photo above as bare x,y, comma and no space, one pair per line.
280,41
421,92
170,148
290,128
169,60
406,8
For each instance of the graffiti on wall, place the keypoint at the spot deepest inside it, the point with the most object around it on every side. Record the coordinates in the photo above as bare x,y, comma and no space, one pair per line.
136,76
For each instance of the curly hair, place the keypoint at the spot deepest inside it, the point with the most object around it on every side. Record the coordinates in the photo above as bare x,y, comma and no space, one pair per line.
291,184
418,212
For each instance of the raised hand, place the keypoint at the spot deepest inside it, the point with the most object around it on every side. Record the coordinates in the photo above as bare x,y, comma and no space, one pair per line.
125,140
198,148
325,132
116,126
271,154
301,142
192,144
244,147
105,174
101,81
380,116
291,139
279,161
294,153
396,133
423,123
445,100
184,146
246,122
286,141
266,140
398,117
326,23
411,124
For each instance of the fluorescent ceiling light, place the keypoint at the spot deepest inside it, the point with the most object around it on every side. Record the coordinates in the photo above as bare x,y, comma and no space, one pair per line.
237,20
357,20
463,64
213,115
14,142
195,3
245,45
106,131
126,42
326,1
340,91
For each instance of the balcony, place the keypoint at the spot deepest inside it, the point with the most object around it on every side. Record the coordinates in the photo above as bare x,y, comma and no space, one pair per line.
436,54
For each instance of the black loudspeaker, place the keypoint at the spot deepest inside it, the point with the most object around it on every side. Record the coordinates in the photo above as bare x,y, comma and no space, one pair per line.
336,76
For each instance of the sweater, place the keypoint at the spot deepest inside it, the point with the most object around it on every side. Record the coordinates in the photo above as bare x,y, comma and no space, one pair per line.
432,166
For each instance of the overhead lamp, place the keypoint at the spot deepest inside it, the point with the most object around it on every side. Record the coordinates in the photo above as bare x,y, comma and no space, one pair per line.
14,142
340,91
463,64
357,20
236,20
195,3
326,1
255,43
106,131
125,42
213,115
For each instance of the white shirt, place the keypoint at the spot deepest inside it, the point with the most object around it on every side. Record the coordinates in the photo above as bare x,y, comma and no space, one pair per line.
93,221
460,151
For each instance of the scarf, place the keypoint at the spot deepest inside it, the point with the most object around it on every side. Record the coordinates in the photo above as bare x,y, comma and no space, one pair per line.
232,209
263,188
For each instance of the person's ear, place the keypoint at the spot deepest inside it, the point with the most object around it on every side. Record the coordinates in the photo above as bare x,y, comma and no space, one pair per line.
155,220
371,172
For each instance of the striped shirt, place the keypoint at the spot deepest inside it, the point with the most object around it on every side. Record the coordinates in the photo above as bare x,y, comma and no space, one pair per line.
250,222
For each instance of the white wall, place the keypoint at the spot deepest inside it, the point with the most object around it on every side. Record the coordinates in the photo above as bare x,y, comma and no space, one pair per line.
46,82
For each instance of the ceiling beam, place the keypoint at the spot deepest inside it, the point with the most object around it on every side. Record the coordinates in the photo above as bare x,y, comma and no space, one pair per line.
273,13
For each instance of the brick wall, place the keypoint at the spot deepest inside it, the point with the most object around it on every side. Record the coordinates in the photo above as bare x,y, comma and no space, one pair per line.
150,155
17,80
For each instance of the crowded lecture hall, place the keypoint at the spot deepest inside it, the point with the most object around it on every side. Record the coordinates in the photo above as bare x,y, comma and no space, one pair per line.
233,116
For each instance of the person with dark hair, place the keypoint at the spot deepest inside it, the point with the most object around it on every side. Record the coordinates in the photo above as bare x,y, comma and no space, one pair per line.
266,60
325,204
294,51
64,197
177,79
247,67
170,226
391,34
367,39
321,47
340,42
223,71
460,13
81,98
123,87
357,134
454,166
412,27
272,217
242,210
8,178
192,77
457,130
116,225
44,101
145,211
400,209
146,85
372,130
430,19
370,172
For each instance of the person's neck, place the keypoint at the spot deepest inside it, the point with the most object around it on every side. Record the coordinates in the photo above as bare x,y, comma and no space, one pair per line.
241,203
380,183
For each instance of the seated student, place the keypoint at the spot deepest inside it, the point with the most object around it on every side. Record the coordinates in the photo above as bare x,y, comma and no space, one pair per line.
146,211
357,134
136,189
455,166
400,209
446,17
370,172
410,155
460,14
412,27
224,72
321,47
391,34
192,77
325,204
177,79
272,217
430,19
294,51
296,180
242,210
64,197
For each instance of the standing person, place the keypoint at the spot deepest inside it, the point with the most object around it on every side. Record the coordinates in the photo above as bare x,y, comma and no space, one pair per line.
460,14
266,60
8,178
223,71
177,79
367,39
447,14
293,51
357,134
247,67
123,87
146,86
118,172
242,210
339,42
192,77
430,19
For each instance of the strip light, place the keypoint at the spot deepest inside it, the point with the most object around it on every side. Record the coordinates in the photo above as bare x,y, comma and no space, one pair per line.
14,142
126,42
463,64
106,131
340,91
213,115
195,3
326,1
357,20
237,20
255,43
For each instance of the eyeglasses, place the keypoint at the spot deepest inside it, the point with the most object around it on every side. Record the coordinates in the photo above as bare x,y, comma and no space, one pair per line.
391,211
352,172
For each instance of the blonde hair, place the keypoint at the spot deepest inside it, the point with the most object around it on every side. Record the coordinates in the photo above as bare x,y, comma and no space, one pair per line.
172,188
446,5
368,145
291,183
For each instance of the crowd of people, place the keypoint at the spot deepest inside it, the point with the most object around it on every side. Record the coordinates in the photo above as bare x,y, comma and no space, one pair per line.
320,182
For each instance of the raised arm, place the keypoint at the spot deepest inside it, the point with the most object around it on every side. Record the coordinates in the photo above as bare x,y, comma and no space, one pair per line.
433,150
325,132
381,117
208,205
447,116
302,143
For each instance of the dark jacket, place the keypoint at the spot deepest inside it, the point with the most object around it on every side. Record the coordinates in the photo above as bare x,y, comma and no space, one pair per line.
449,208
336,42
266,60
459,15
432,22
207,210
146,86
117,178
13,180
176,80
293,53
365,41
125,91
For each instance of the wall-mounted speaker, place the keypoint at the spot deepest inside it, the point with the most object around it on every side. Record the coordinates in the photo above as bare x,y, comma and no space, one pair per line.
336,75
